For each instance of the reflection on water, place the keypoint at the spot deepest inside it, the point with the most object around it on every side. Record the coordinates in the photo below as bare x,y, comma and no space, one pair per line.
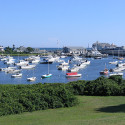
70,79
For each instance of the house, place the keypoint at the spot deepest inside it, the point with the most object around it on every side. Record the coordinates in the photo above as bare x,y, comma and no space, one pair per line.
20,49
1,49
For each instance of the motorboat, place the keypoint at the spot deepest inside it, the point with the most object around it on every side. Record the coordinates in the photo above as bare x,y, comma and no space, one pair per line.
73,74
120,58
116,74
12,71
98,57
17,75
117,69
114,62
76,58
46,75
74,69
22,62
46,62
31,79
120,64
9,61
86,62
8,68
62,67
64,63
35,61
31,58
28,67
63,56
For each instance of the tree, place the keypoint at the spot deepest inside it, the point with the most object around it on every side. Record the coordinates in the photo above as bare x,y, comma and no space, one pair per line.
8,50
29,49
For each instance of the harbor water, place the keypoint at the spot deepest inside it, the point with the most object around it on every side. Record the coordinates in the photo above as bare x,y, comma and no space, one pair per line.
90,72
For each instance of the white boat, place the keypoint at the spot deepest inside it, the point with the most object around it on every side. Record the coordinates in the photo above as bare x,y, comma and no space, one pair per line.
118,74
64,63
62,56
60,60
63,67
80,65
9,61
6,58
86,62
31,79
22,62
28,67
114,62
17,75
117,69
30,58
35,61
52,59
76,58
8,68
12,71
74,69
120,64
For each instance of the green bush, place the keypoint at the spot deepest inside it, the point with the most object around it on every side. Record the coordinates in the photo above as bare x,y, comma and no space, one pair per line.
22,98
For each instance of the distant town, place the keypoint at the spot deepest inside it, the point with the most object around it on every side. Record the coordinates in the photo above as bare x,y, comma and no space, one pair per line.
97,49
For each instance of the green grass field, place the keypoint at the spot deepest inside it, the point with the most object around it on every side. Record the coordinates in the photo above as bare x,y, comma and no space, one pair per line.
92,110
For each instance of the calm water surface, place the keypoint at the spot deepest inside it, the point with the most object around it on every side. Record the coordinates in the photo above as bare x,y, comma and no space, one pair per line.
90,72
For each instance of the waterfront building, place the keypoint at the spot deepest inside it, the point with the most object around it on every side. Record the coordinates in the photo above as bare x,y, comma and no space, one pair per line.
74,50
118,51
101,46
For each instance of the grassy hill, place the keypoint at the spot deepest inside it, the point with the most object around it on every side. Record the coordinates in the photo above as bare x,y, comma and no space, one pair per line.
92,110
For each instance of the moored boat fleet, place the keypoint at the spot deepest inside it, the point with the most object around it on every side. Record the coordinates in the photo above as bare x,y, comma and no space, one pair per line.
72,66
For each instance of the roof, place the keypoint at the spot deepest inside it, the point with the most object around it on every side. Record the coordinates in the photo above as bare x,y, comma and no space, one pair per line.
74,47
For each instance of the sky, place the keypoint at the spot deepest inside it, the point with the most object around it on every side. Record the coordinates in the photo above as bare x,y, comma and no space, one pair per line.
58,23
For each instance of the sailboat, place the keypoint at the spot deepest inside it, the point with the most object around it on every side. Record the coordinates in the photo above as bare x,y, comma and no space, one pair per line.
105,71
31,78
113,62
47,75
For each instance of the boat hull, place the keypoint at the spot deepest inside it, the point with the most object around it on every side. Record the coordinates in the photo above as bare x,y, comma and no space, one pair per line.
46,76
78,75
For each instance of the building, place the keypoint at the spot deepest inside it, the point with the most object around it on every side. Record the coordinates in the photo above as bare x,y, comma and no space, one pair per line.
1,49
74,50
118,51
20,49
101,46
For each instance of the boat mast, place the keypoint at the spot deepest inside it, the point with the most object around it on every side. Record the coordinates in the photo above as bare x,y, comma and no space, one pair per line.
48,67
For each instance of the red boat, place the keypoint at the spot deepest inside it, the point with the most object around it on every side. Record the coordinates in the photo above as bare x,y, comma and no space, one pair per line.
104,72
73,74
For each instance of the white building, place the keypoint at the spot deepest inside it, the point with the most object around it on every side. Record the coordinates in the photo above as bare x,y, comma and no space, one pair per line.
1,49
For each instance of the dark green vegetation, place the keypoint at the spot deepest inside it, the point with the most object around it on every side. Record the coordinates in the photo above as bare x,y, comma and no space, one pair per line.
15,99
9,50
92,110
112,86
